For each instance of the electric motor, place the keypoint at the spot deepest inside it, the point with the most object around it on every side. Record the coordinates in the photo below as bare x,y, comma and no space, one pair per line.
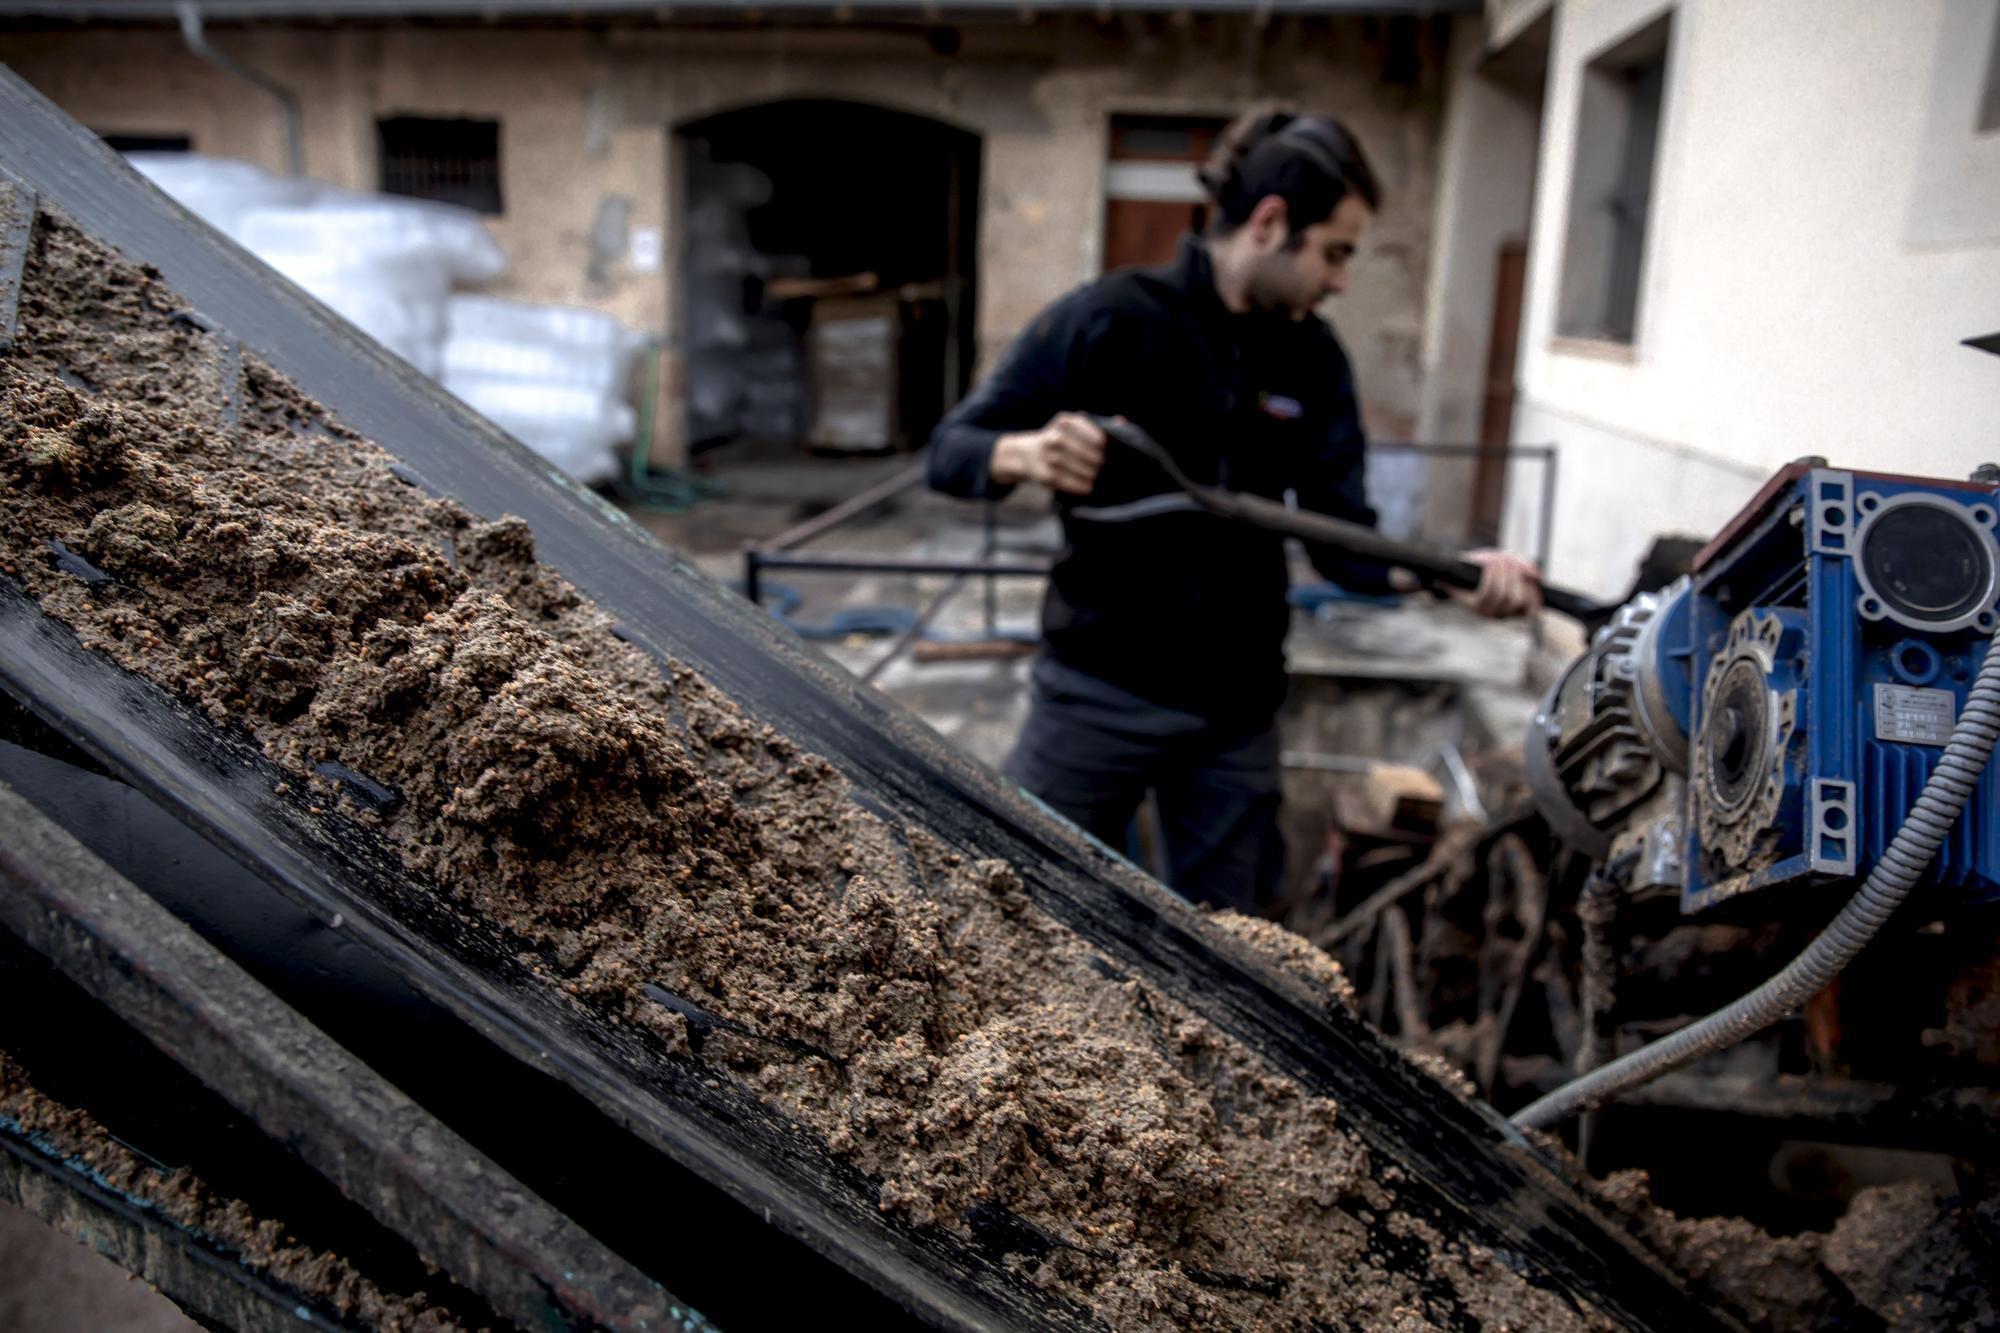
1782,706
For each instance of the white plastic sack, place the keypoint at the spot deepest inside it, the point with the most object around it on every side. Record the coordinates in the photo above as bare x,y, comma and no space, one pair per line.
411,327
260,210
554,377
220,190
549,406
494,317
573,429
382,262
591,369
587,458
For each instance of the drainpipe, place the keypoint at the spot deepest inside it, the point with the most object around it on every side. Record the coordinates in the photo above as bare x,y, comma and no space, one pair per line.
191,32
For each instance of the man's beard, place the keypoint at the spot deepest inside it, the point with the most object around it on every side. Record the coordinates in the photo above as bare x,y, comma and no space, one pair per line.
1273,290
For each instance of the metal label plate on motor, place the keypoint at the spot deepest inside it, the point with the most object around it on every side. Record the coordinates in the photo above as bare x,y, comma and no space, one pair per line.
1915,717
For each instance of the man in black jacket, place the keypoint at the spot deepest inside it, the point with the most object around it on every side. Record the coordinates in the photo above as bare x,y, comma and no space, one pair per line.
1164,626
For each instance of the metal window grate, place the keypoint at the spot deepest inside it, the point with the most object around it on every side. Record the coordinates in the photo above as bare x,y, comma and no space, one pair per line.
451,161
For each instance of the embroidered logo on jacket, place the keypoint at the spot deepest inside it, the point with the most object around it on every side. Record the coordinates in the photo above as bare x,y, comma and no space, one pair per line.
1279,406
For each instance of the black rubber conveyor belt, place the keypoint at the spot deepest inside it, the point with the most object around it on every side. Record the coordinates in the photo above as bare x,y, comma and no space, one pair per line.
1465,1171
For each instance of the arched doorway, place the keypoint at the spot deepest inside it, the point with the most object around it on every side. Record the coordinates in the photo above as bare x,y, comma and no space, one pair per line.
828,274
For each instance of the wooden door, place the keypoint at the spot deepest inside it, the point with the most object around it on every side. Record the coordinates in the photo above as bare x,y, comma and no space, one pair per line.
1151,195
1496,416
1144,231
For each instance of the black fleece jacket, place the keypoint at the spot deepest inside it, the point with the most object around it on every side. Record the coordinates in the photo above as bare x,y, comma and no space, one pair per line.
1166,602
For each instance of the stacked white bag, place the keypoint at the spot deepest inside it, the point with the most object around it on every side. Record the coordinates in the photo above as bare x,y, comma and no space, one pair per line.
553,377
383,262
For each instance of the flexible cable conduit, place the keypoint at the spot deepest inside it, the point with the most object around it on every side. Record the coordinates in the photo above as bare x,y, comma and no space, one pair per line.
1888,884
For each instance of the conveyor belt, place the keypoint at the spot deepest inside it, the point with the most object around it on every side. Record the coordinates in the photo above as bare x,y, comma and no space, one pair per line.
1463,1169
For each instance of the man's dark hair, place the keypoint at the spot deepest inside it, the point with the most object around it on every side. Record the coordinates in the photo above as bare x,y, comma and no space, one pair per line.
1311,162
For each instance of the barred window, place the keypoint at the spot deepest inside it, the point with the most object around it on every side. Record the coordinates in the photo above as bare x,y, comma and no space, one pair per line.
451,161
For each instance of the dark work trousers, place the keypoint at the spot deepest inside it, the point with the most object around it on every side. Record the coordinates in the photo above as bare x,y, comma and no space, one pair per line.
1092,751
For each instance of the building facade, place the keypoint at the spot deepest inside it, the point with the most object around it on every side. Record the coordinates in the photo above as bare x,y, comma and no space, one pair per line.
1747,231
602,125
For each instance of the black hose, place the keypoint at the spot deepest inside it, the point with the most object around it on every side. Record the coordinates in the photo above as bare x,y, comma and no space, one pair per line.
1433,569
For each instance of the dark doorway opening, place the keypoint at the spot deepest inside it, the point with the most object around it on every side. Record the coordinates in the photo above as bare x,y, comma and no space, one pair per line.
828,274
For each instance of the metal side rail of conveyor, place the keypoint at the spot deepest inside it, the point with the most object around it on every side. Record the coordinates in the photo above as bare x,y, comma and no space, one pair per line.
108,971
704,1189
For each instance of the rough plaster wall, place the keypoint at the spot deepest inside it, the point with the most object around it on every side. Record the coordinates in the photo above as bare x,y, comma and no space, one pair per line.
1507,19
147,83
1614,493
536,83
589,113
1491,136
1041,98
559,159
1787,307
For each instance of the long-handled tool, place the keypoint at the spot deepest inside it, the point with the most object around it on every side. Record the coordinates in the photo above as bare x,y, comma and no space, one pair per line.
1428,565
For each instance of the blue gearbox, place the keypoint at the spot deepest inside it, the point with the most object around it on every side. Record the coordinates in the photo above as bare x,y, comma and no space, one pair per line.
1770,719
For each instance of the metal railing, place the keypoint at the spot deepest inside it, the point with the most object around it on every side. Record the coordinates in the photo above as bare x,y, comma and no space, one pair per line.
781,552
1506,456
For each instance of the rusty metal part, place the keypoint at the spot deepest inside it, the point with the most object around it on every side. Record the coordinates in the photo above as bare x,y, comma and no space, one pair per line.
1449,850
971,650
1395,943
1738,765
1504,966
1596,907
1324,529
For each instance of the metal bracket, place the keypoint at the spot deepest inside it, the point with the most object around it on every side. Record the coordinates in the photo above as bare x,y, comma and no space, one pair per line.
1830,834
1830,512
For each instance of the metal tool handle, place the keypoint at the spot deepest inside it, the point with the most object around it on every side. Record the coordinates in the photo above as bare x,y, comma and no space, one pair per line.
1433,568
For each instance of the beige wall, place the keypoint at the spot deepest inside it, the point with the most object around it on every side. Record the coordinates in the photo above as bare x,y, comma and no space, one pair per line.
1506,20
1825,229
535,83
1491,137
590,113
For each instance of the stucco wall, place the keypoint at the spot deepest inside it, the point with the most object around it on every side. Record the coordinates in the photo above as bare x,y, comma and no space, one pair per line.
555,165
587,113
1490,140
1506,20
1796,297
